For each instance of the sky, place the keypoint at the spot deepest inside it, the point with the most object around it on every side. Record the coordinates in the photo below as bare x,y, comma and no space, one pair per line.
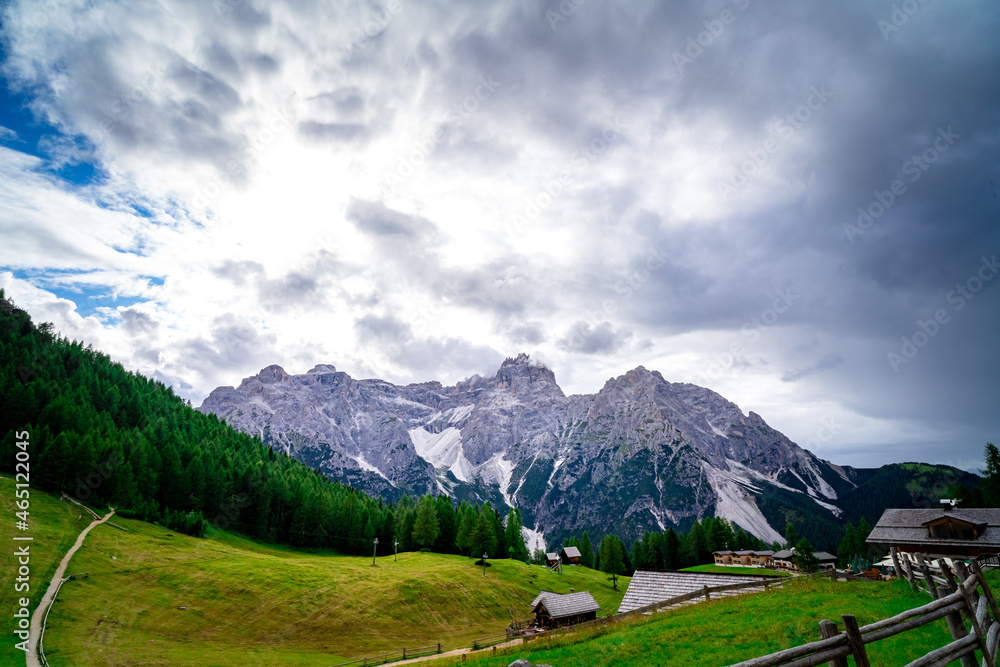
793,204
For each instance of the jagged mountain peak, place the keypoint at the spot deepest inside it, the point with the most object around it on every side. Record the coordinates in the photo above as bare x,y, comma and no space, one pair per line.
642,453
522,375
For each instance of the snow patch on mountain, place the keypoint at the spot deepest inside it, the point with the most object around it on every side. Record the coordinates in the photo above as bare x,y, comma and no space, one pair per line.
370,468
442,450
533,539
735,504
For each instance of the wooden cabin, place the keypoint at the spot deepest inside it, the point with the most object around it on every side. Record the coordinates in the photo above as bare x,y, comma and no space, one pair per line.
555,610
783,559
723,558
570,556
964,533
744,558
827,561
551,559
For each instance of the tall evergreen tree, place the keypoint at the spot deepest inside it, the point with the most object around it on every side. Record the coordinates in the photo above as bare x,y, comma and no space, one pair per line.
425,526
516,547
586,551
612,561
791,536
672,551
483,538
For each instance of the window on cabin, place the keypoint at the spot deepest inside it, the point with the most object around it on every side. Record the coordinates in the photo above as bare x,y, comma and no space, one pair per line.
949,530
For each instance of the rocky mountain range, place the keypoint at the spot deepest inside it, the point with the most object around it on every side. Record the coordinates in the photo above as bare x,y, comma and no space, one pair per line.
642,453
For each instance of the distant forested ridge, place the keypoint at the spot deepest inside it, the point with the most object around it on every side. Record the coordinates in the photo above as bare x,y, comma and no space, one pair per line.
112,437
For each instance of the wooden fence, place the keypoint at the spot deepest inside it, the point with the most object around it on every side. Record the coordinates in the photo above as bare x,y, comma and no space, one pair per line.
950,599
705,592
402,654
486,642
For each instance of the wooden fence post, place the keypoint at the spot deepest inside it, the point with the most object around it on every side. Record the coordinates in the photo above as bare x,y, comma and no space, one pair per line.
707,596
972,605
963,575
908,564
897,570
955,625
855,641
828,630
986,590
926,571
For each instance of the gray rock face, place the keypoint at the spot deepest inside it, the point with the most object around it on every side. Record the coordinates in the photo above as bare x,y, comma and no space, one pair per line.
642,453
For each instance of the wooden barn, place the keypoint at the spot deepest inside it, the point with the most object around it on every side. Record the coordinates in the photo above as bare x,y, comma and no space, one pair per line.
551,559
555,610
570,556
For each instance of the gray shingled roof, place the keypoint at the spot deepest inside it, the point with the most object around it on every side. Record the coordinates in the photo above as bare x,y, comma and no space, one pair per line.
568,604
552,556
572,552
824,556
534,603
784,554
649,587
906,526
722,553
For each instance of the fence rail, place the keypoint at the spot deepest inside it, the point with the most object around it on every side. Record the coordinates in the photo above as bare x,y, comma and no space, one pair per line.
486,642
981,609
402,654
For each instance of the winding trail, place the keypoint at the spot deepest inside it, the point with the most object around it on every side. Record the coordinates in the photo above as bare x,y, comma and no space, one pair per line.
35,630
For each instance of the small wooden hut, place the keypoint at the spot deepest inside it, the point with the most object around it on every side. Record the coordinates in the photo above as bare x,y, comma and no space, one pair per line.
555,610
570,556
551,559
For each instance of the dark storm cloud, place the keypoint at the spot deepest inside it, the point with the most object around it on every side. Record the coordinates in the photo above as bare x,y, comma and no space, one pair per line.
601,338
381,221
234,344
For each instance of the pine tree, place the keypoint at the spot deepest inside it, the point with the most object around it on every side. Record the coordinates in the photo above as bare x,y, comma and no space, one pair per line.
515,538
991,476
672,551
805,556
425,526
483,539
586,551
465,528
612,562
791,537
448,524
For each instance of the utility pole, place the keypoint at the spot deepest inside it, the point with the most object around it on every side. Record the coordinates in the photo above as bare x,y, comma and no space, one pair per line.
395,549
484,563
374,551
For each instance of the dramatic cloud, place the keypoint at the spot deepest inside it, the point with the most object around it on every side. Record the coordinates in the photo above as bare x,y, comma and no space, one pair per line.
796,206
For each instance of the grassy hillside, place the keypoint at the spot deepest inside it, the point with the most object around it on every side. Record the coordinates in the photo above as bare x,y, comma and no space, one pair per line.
734,629
54,526
253,604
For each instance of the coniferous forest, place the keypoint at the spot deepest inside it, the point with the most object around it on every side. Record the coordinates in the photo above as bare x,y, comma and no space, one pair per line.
107,436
